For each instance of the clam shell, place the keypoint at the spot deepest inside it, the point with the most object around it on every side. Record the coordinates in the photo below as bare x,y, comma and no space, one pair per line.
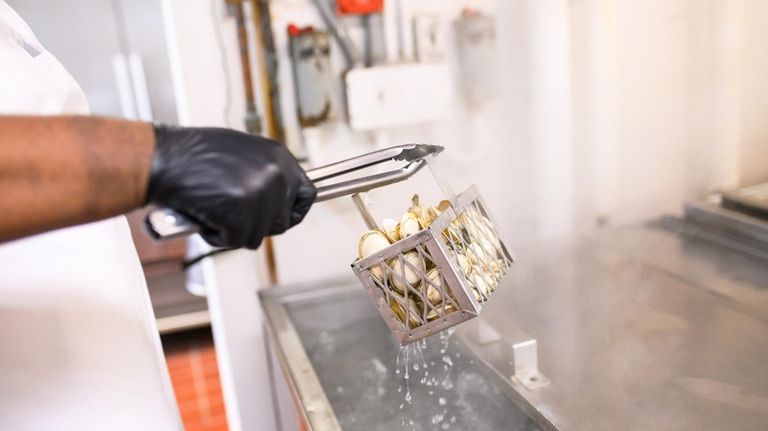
463,262
372,242
476,255
428,216
434,314
400,313
444,205
451,237
409,225
391,227
480,284
406,274
433,295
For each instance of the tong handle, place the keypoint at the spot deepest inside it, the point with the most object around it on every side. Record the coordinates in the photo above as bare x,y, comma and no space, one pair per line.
166,223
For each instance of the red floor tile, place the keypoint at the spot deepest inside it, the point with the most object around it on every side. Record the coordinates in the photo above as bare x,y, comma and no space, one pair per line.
195,376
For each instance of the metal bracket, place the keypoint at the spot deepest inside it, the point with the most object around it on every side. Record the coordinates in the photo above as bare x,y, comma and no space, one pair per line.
526,359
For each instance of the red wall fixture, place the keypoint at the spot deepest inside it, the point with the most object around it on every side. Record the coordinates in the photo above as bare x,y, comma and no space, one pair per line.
359,7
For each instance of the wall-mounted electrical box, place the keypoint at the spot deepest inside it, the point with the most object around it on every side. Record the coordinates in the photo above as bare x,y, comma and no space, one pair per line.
359,7
398,95
428,38
313,78
476,39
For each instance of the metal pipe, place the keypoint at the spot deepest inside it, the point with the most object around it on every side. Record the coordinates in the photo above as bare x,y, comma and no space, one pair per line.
268,70
344,44
252,121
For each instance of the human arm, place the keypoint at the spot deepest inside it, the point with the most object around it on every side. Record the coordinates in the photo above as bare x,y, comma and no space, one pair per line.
62,171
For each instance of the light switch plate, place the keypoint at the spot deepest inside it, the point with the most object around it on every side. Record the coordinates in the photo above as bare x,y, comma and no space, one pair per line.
429,38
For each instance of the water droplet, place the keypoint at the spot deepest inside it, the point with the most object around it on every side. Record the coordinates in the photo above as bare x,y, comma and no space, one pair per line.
397,371
408,397
340,389
436,419
426,373
431,392
423,380
415,367
447,360
410,422
400,389
442,401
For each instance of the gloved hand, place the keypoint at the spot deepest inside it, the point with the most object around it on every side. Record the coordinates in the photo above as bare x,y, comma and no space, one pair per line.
239,188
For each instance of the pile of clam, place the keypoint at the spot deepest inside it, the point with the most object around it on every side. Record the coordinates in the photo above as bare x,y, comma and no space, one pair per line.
416,288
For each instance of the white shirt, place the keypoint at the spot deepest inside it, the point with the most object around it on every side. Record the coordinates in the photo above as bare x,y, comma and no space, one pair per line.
79,348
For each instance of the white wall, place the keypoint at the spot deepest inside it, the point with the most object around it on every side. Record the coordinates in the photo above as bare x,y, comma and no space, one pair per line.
607,110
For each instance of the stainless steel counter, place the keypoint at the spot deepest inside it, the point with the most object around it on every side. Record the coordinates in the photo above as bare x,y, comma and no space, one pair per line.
649,327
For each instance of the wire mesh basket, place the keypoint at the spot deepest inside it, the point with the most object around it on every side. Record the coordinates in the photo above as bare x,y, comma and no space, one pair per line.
440,276
431,280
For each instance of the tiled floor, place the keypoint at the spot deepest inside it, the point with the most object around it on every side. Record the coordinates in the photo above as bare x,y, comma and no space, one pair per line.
195,376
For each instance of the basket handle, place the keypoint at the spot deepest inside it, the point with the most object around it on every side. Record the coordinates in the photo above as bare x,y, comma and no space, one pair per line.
166,223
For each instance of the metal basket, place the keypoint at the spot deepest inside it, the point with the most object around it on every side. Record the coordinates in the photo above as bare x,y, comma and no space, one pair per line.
432,280
439,277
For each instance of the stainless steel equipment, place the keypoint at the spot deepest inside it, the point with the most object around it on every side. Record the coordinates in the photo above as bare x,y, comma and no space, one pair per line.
656,326
421,284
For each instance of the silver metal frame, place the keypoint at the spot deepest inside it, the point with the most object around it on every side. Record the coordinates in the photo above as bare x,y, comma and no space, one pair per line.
305,386
455,283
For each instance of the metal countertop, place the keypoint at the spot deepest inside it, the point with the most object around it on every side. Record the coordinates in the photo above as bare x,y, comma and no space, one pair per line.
645,327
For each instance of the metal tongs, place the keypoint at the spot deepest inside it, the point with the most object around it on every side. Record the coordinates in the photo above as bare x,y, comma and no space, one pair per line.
166,223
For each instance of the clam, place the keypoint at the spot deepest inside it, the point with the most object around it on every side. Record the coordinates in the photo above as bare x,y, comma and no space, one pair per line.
462,261
434,287
451,237
429,216
372,242
488,248
405,273
412,313
435,314
409,225
480,284
444,205
391,227
476,255
469,225
476,294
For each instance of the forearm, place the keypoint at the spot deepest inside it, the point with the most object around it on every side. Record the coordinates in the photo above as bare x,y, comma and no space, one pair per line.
63,171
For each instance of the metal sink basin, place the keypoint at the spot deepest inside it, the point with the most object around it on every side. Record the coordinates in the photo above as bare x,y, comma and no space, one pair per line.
357,383
658,326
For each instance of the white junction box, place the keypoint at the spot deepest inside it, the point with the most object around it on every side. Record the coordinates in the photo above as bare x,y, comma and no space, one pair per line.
398,95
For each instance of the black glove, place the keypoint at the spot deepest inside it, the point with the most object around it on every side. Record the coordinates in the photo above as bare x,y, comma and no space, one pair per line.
239,188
